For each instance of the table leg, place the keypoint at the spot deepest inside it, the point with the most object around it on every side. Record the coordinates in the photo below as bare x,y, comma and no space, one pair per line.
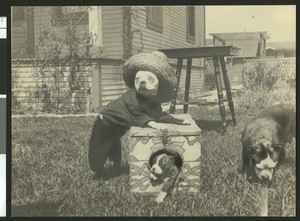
187,85
220,93
228,89
178,73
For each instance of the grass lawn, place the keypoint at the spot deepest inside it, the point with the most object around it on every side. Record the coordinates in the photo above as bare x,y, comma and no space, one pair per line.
51,175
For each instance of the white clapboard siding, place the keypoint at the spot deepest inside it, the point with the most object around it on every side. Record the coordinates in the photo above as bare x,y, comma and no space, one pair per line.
112,27
173,36
26,87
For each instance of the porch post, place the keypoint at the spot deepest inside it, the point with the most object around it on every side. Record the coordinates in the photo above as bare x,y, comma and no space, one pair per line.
95,24
261,45
264,49
95,29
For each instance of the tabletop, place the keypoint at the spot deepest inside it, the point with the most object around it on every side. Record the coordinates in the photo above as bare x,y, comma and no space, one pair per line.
202,52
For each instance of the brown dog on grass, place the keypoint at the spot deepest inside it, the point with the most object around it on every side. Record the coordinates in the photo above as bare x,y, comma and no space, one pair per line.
264,139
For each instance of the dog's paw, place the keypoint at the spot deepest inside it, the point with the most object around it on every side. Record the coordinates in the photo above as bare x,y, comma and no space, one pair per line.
186,122
160,198
158,126
153,177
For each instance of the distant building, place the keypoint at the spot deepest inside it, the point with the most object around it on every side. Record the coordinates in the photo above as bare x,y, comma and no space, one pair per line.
271,52
280,49
252,44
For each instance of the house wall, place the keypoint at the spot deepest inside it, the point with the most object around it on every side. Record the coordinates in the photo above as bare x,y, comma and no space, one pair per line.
112,39
111,84
28,93
22,32
42,22
26,76
147,40
112,36
19,40
173,36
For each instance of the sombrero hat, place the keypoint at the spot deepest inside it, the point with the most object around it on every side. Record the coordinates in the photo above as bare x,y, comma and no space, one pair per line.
156,62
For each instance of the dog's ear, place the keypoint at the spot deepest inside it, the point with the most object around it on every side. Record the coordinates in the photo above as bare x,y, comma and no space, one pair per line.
149,166
178,160
269,145
252,150
172,159
153,156
151,160
279,148
245,160
255,148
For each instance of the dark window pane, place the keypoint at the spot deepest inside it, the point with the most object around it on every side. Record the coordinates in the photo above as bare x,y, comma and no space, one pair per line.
155,18
190,24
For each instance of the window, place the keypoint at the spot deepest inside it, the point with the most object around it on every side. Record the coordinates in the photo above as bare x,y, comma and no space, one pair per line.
190,24
22,32
155,18
77,14
18,13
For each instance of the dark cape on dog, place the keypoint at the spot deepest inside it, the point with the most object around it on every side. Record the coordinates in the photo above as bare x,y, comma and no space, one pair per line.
131,109
134,110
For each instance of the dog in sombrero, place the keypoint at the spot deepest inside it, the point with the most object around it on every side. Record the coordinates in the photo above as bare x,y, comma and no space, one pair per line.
264,139
151,80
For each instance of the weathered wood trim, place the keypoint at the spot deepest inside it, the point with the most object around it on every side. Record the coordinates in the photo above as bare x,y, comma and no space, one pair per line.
95,24
201,52
30,31
96,85
127,35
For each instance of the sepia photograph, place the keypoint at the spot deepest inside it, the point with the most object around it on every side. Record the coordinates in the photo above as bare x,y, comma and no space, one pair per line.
153,111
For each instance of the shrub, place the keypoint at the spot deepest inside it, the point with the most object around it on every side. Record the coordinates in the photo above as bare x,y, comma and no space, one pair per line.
290,80
257,99
261,98
261,77
209,81
209,76
62,60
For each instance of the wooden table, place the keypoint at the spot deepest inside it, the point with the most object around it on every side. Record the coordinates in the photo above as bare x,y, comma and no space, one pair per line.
217,53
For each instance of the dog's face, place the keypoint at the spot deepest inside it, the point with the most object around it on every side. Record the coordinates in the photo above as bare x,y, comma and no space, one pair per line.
264,156
162,164
146,83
